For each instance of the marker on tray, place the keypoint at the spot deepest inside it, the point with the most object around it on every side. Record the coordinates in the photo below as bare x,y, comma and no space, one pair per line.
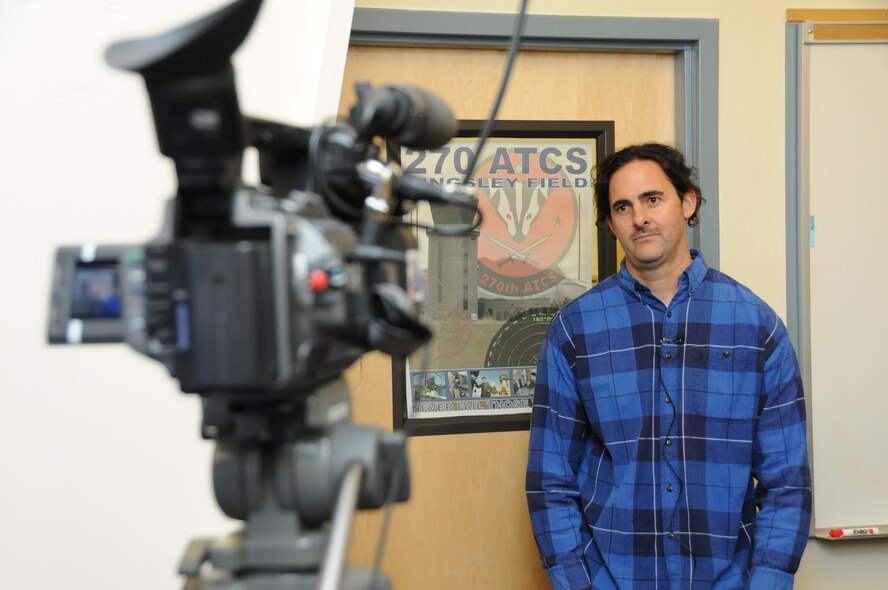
857,532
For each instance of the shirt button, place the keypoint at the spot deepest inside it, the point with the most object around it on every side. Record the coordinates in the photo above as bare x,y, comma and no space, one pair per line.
668,314
671,535
669,488
668,442
668,400
668,356
726,354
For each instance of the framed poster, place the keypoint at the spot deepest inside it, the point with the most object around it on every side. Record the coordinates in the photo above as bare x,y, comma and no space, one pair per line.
491,295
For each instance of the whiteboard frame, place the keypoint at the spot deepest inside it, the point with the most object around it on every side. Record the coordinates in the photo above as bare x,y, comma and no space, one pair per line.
798,234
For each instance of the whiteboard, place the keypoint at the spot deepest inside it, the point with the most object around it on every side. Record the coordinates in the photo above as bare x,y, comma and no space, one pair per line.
847,176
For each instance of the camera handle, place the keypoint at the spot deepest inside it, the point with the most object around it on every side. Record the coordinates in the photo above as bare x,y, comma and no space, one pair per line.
284,491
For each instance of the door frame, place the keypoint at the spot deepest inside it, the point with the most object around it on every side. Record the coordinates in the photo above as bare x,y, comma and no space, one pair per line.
693,42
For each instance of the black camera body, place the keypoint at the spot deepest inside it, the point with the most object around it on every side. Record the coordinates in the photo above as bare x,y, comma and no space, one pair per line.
267,311
256,315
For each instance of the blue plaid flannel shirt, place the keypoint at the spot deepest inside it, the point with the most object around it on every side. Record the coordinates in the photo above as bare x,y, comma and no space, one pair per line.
650,427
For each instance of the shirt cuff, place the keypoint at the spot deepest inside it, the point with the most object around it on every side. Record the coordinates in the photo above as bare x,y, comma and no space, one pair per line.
569,576
765,578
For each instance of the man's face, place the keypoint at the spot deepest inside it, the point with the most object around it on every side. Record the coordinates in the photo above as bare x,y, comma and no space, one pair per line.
648,216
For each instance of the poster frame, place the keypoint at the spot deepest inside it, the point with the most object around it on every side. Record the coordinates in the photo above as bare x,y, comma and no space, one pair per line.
603,134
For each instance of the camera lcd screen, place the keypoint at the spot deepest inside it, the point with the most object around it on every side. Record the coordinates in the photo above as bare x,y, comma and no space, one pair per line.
96,293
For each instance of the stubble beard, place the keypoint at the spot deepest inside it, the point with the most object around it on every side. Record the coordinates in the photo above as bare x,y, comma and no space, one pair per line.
650,258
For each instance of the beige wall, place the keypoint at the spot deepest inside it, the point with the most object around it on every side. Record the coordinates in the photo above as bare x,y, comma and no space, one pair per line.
752,179
751,114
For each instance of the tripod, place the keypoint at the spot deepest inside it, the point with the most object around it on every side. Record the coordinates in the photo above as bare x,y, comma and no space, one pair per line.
277,466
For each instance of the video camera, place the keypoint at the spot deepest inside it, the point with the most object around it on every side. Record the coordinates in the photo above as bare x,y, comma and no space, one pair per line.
258,297
268,291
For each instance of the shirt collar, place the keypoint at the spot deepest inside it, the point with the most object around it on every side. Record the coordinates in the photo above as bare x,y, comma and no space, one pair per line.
689,280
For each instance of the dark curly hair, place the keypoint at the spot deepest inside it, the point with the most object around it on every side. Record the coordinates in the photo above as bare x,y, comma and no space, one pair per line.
668,158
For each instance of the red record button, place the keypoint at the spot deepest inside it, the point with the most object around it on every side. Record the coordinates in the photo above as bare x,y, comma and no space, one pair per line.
318,280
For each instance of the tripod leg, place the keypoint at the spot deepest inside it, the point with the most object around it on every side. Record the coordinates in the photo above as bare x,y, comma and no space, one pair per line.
334,561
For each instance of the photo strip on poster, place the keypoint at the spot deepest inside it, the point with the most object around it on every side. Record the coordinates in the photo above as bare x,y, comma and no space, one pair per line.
473,391
492,294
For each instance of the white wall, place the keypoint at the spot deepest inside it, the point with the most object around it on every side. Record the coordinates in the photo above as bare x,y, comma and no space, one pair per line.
104,476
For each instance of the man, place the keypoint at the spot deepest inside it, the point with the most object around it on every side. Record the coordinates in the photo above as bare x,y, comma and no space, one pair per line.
667,445
487,389
458,388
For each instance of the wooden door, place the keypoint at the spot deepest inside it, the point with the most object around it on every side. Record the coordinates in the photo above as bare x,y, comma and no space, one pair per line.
466,524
